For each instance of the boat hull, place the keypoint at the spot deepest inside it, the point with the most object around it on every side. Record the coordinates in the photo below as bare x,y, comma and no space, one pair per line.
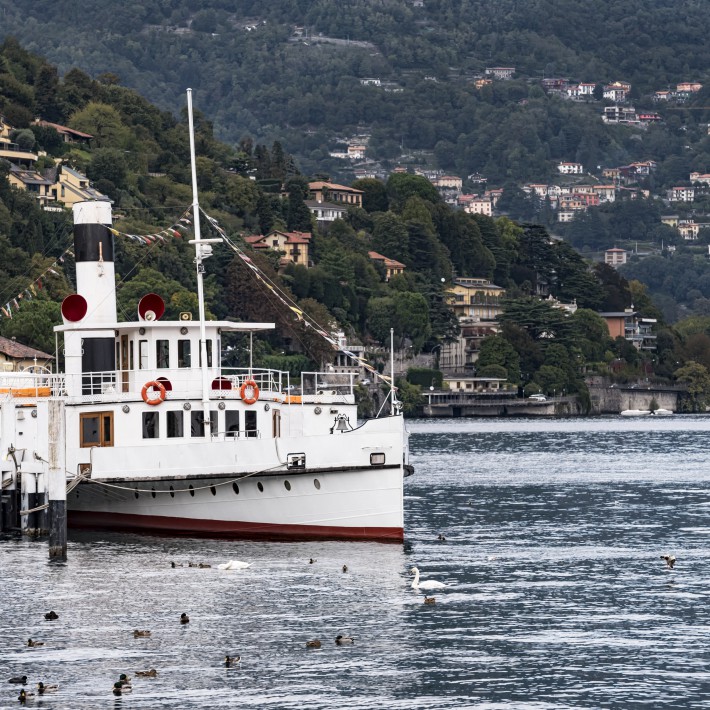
356,504
232,529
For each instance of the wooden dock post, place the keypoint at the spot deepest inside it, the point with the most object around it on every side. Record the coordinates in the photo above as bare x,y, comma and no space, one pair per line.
57,481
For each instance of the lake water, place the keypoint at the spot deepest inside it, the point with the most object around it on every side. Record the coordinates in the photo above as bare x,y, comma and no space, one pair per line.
557,596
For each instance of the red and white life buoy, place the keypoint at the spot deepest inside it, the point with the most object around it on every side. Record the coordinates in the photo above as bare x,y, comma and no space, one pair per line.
153,385
249,392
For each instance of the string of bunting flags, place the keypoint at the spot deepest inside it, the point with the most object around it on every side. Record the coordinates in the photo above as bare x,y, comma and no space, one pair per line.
172,232
290,304
30,292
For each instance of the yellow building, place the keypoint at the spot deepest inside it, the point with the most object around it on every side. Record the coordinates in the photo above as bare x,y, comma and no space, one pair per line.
392,266
15,357
11,151
294,245
70,187
30,181
476,298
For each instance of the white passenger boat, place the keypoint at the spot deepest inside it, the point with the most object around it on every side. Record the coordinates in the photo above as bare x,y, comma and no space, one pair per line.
155,435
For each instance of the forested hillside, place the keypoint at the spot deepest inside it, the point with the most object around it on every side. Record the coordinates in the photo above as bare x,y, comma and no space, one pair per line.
291,71
139,157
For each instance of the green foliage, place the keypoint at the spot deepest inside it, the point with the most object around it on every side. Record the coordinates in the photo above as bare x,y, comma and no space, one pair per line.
496,350
697,381
33,324
425,377
410,396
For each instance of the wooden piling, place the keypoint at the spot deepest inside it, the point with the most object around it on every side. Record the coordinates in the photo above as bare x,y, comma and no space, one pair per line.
57,481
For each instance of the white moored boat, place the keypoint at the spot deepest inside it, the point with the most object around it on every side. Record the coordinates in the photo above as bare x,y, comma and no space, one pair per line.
155,435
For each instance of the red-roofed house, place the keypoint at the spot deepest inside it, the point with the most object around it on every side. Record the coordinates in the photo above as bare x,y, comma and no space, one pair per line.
330,192
69,135
294,245
15,356
392,267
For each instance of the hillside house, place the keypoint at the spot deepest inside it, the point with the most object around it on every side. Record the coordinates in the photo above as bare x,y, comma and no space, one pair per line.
30,181
700,178
392,266
681,194
12,152
478,205
615,257
494,195
15,357
617,91
69,186
581,91
570,168
326,212
476,299
330,192
69,135
648,118
606,193
357,151
619,114
294,245
502,73
448,182
688,87
461,354
629,324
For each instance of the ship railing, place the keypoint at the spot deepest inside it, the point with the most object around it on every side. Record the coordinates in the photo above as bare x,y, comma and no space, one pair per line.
31,384
179,383
330,387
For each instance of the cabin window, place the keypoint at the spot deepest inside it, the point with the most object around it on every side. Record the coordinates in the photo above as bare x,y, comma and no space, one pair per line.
196,424
250,422
175,424
231,422
130,355
150,425
162,353
208,345
143,354
96,429
184,357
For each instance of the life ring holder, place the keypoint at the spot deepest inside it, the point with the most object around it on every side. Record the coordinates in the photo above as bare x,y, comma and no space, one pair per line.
153,384
249,384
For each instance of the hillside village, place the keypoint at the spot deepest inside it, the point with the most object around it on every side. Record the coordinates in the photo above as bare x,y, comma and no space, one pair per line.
579,186
326,242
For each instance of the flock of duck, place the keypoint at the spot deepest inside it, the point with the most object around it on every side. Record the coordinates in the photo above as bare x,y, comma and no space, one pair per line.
123,684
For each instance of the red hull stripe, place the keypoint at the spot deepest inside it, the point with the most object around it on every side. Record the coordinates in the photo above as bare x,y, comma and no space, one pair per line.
227,528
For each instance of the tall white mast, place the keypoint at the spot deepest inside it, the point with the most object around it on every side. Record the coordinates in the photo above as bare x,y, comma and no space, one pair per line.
201,251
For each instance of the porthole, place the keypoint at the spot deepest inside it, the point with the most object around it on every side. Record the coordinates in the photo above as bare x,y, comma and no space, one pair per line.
152,492
137,494
316,483
260,486
235,488
287,485
192,490
172,492
213,490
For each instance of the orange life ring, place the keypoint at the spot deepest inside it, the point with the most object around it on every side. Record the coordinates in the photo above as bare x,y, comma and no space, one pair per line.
153,384
249,384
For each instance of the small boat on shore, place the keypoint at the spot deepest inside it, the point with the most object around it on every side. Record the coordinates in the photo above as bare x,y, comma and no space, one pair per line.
636,413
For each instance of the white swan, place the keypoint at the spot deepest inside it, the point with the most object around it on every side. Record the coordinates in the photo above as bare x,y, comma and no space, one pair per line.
426,584
234,564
